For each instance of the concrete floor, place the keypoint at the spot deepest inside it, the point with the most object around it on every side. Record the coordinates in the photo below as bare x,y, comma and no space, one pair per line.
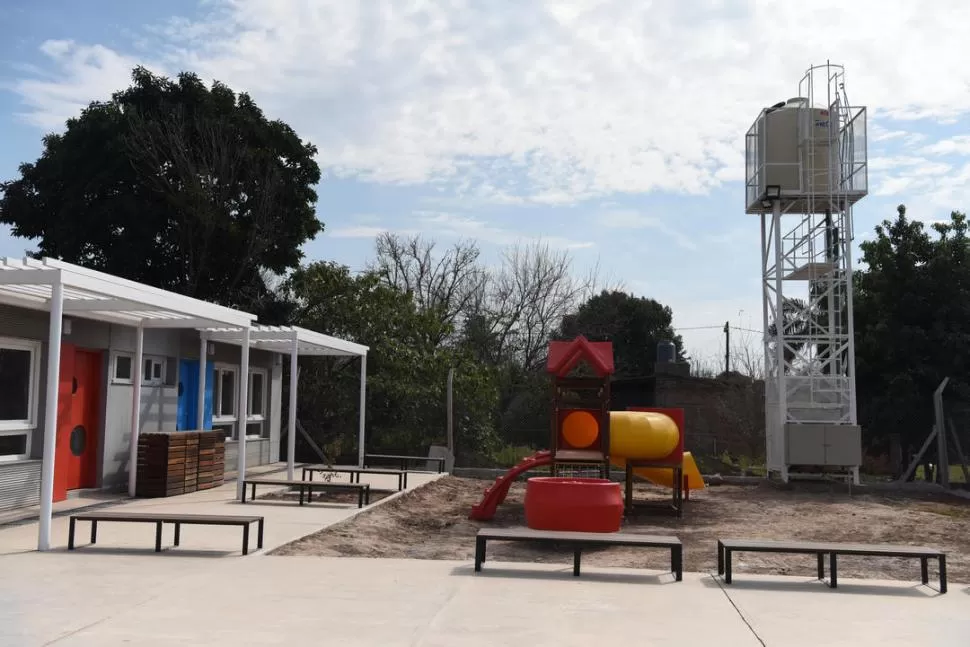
204,593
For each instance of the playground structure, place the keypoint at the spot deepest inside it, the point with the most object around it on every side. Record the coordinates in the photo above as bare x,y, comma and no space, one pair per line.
806,167
586,435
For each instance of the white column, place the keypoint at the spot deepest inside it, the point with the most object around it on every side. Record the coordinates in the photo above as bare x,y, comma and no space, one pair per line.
136,380
50,415
242,414
200,415
363,405
291,426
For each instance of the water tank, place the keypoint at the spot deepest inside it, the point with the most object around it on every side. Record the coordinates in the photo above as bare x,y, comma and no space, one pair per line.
798,146
666,352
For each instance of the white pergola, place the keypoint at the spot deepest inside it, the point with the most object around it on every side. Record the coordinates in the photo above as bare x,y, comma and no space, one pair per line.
292,341
65,289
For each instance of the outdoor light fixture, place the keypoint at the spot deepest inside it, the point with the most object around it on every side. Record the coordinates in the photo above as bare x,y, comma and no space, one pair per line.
772,193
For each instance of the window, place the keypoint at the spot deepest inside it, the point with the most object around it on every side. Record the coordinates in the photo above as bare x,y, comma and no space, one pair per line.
18,402
224,394
153,371
122,368
225,399
256,404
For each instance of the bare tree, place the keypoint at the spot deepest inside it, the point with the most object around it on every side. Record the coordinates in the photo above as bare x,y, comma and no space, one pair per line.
527,299
747,358
450,283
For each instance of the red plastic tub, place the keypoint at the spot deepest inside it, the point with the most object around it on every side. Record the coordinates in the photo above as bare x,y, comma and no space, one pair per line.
576,504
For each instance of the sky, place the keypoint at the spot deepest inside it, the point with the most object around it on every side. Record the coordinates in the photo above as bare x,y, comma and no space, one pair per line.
613,130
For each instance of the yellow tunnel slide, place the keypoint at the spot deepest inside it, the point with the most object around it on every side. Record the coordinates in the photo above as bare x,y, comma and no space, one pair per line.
645,435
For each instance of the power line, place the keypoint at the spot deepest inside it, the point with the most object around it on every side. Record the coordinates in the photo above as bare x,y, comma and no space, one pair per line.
720,327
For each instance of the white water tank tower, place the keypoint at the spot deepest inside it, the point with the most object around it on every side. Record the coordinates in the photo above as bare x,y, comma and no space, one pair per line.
806,166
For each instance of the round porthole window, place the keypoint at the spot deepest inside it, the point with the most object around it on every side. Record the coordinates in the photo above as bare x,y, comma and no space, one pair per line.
78,440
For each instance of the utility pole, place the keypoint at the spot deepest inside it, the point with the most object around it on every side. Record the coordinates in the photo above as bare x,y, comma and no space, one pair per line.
727,346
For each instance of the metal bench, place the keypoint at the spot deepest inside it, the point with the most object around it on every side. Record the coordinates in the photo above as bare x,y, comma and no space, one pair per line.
404,460
576,541
355,472
159,519
727,547
307,487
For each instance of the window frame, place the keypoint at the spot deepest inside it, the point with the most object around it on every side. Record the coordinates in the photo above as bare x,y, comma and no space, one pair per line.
146,377
217,417
27,426
251,418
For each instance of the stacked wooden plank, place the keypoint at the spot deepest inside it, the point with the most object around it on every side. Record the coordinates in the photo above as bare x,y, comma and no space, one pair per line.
212,459
167,463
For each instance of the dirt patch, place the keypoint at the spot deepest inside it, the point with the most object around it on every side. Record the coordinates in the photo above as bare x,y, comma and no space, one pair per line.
432,522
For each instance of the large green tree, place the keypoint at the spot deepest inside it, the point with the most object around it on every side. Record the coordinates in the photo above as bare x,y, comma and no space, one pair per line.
174,184
912,319
634,324
407,370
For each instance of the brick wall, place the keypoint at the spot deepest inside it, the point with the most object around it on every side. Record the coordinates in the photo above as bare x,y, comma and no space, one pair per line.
723,414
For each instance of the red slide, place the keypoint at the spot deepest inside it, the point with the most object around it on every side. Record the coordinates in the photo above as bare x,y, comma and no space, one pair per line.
496,494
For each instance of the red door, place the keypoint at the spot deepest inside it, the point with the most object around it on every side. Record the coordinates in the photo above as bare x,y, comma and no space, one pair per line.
78,421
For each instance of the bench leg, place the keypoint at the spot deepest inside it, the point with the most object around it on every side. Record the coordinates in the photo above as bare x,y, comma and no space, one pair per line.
94,531
405,475
479,553
301,494
253,493
821,566
720,558
677,562
245,550
686,489
924,567
178,533
243,500
360,498
158,536
577,553
70,534
833,570
259,535
942,573
727,566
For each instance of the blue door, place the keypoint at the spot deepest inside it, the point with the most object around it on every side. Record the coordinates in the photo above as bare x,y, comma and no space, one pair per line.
188,395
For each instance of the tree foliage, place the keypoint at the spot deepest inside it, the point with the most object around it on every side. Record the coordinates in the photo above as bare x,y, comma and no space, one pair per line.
173,184
407,370
635,325
912,316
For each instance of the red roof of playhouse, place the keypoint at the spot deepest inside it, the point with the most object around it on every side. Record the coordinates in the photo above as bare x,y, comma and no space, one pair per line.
564,355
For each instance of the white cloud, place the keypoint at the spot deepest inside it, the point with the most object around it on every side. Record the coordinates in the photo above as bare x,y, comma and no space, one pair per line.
633,219
441,224
541,101
359,231
959,145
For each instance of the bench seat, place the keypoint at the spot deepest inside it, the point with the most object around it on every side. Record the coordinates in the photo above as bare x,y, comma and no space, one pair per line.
727,547
576,541
307,487
162,518
355,472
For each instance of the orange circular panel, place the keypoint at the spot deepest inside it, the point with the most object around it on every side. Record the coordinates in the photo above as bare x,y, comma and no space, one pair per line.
580,429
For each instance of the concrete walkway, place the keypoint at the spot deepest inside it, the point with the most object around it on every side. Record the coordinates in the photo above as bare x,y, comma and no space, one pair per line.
99,600
204,593
285,520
